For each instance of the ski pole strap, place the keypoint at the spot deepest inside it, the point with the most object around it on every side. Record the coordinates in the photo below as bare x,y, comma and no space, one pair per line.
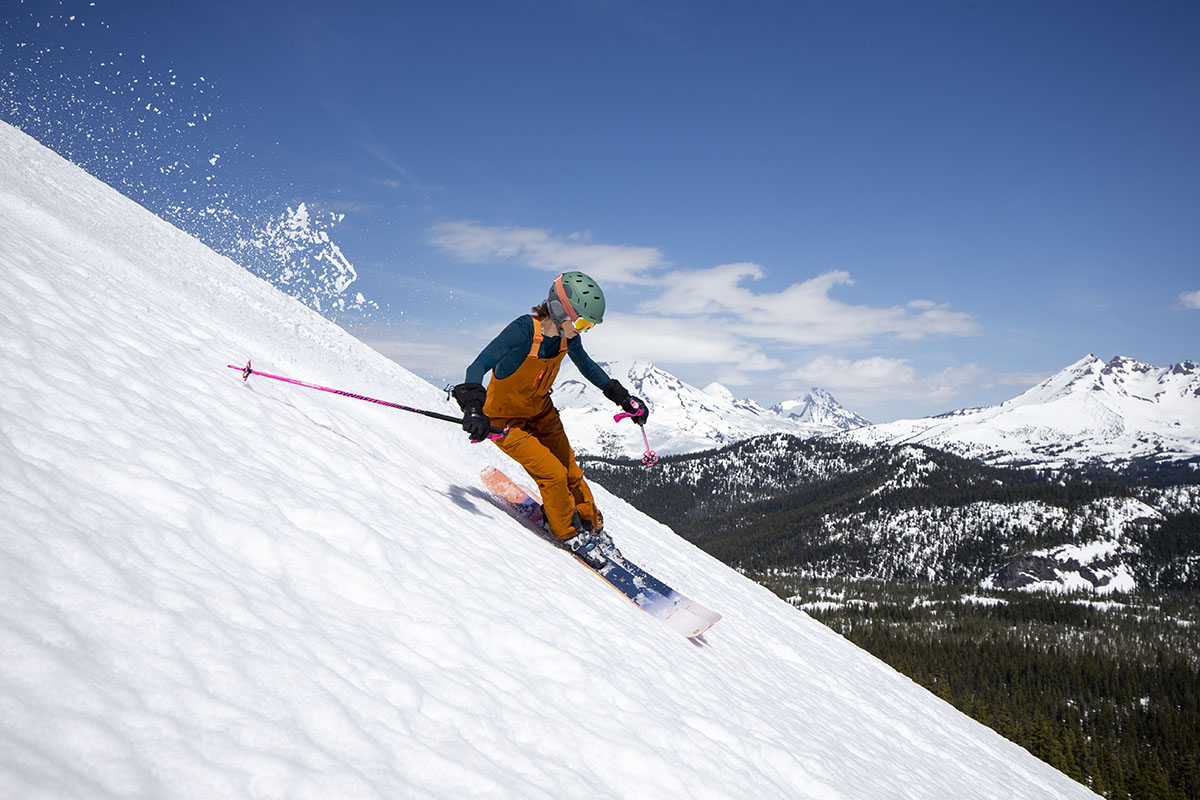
627,415
247,371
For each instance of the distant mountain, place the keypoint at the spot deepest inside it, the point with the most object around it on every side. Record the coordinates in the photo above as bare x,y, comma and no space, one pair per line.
1114,411
819,408
686,419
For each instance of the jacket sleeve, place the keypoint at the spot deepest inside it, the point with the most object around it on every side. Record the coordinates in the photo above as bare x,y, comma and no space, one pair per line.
589,369
517,335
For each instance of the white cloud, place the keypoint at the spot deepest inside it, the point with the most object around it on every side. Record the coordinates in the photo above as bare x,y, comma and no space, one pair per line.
616,264
877,381
665,340
802,314
832,372
1190,299
434,360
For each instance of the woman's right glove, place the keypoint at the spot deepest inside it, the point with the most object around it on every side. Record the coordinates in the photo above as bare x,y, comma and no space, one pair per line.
471,397
617,393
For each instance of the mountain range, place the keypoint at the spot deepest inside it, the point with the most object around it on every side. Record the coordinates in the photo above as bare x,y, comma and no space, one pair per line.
686,419
1084,482
1092,410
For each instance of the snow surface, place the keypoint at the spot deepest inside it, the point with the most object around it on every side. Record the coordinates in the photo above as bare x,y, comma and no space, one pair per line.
211,588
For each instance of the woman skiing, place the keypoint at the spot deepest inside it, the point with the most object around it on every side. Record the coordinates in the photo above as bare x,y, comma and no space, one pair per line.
524,359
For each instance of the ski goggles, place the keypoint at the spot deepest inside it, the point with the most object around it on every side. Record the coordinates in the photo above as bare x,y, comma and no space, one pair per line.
582,325
560,315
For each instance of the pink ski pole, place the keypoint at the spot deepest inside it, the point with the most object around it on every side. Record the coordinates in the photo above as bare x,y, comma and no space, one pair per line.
496,433
650,457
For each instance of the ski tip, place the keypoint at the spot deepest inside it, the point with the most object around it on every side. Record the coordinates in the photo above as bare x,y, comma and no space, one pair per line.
699,634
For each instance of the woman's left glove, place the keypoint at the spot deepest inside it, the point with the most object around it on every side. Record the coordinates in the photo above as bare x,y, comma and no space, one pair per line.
617,393
471,397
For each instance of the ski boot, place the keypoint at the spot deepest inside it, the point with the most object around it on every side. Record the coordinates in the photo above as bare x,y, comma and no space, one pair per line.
593,546
605,544
586,543
587,548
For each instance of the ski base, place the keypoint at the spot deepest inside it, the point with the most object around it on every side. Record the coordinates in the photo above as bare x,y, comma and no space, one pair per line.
679,612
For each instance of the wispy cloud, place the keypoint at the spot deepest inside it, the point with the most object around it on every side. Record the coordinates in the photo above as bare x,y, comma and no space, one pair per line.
803,314
696,340
876,381
437,360
616,264
1190,299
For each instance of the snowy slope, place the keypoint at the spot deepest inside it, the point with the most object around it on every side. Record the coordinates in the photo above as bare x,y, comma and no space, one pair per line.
1091,409
685,419
211,588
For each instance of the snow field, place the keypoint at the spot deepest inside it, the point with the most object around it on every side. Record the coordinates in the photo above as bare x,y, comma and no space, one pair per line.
1115,411
211,588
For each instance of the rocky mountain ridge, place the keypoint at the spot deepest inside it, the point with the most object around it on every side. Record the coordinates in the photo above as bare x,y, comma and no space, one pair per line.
1113,412
686,419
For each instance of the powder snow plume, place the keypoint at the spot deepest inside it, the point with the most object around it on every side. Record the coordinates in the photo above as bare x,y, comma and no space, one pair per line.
149,131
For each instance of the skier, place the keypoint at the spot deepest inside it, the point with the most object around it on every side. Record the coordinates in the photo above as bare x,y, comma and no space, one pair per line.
524,359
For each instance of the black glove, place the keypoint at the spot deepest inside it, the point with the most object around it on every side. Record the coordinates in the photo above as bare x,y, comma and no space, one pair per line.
471,397
617,393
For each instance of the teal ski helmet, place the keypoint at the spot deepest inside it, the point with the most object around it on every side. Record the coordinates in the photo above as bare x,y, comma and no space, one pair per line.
577,298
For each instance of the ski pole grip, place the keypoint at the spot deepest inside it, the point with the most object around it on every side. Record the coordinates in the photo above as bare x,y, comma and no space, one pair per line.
496,433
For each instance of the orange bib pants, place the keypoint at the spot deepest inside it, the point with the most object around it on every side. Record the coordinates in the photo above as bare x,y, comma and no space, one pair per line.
536,439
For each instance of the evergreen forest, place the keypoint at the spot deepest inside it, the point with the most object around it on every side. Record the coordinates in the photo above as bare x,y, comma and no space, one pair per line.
914,555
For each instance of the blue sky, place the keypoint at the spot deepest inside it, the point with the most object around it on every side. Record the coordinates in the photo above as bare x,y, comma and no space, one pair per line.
917,206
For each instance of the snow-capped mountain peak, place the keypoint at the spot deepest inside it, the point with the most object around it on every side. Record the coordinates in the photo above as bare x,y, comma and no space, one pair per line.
719,390
684,418
1121,377
1114,410
819,407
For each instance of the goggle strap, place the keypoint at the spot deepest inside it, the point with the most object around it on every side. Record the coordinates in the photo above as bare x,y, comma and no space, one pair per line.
562,298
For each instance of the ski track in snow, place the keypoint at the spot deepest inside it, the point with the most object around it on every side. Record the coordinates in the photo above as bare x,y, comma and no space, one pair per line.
211,588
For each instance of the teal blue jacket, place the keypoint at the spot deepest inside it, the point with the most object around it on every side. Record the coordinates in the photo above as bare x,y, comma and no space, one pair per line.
506,352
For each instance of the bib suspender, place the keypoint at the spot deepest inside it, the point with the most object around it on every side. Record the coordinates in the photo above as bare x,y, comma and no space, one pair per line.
537,340
537,346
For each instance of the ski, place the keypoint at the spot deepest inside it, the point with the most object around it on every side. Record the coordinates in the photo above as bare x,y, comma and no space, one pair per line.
656,598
